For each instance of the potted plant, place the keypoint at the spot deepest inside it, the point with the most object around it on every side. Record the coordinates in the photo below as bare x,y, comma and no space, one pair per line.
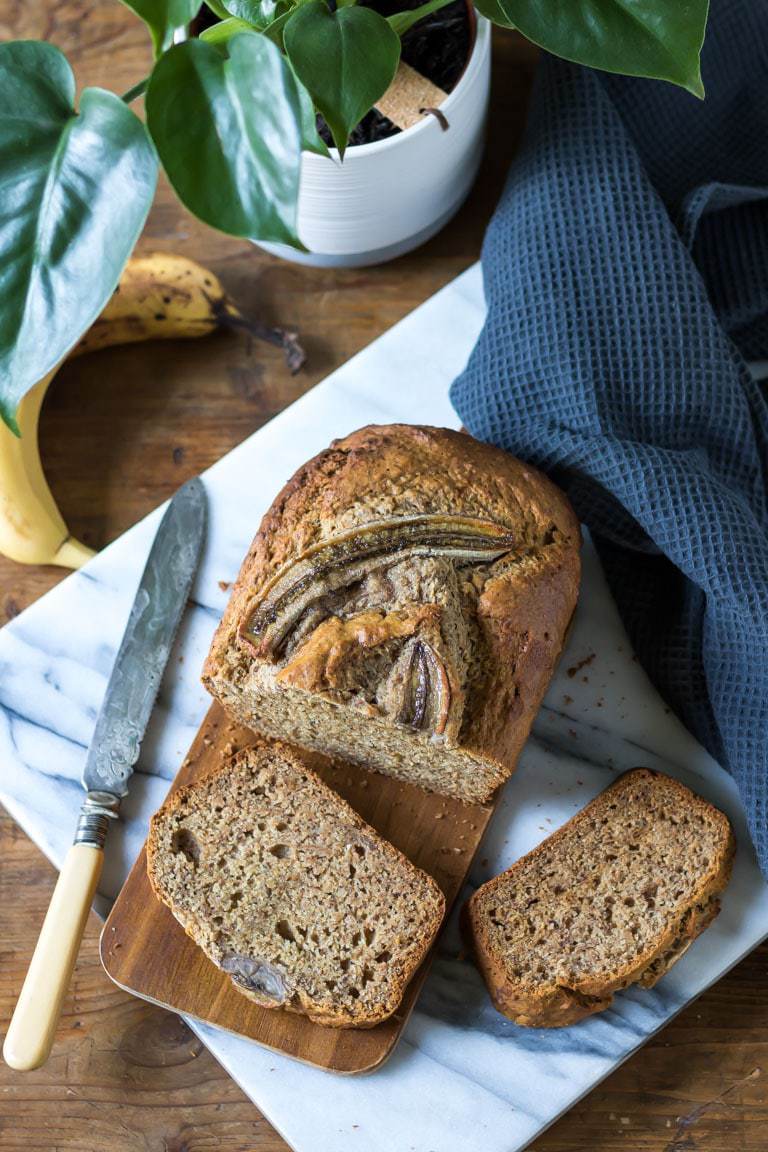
396,188
235,117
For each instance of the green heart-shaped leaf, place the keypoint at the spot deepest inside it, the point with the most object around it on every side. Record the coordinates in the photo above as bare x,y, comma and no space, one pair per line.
228,131
311,141
655,38
163,17
75,187
346,60
259,13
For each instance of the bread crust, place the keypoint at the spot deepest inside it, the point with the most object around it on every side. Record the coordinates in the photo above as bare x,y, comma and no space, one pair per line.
299,1002
555,1006
392,471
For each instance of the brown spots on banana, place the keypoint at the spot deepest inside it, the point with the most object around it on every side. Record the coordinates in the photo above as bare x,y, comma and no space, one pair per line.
162,296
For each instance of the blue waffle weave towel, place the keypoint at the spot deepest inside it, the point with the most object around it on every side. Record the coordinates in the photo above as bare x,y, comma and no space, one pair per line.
626,276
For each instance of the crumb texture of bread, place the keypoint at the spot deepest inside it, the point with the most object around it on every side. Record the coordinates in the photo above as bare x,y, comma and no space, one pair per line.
612,898
403,606
289,891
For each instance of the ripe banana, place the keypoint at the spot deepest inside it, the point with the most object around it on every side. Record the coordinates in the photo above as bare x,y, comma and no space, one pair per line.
160,296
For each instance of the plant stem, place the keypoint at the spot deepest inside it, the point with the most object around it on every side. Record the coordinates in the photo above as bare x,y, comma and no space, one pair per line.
137,90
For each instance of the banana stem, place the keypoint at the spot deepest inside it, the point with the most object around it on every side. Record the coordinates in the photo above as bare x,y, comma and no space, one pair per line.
295,356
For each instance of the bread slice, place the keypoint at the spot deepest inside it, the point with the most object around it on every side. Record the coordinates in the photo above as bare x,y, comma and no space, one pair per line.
284,887
403,606
613,898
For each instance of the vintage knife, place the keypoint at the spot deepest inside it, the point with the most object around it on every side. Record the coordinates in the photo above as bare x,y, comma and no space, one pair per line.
125,711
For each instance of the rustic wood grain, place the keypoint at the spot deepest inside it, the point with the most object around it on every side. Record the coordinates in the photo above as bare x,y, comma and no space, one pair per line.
147,952
120,431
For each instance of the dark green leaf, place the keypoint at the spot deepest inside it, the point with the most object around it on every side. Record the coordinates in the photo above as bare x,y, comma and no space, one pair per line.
228,130
75,188
656,38
346,60
163,17
259,13
311,141
400,22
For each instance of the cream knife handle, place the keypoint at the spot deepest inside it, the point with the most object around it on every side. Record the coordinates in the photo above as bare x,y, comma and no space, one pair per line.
33,1025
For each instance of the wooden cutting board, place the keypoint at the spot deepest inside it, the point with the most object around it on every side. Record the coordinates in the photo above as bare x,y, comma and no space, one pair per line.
146,952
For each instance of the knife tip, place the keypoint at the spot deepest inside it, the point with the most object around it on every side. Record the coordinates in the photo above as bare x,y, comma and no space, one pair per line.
192,496
193,489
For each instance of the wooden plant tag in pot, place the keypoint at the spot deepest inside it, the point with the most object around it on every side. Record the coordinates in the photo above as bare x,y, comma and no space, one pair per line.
409,96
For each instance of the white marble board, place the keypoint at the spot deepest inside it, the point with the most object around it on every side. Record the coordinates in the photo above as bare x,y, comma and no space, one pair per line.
463,1078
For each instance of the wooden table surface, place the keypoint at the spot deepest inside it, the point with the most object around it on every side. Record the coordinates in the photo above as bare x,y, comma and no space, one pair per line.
121,430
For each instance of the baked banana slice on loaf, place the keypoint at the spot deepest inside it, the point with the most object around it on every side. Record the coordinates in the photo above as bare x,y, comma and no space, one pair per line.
403,606
613,898
284,887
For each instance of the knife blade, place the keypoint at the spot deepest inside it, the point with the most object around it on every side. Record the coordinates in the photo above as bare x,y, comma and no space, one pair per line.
114,749
132,689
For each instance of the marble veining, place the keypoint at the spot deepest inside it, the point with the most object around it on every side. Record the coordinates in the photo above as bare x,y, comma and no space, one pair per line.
463,1079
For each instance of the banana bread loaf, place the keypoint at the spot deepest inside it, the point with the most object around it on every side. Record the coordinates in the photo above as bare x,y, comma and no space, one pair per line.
403,605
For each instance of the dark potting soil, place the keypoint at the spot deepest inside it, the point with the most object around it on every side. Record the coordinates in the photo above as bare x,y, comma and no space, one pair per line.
437,46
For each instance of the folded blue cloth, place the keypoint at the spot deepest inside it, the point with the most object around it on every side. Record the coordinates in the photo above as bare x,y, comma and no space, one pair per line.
626,276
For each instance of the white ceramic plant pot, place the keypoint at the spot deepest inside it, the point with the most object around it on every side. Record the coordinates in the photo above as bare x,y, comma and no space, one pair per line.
390,196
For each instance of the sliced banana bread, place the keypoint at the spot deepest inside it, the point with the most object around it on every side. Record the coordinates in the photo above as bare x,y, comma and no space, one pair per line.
613,898
403,605
284,887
